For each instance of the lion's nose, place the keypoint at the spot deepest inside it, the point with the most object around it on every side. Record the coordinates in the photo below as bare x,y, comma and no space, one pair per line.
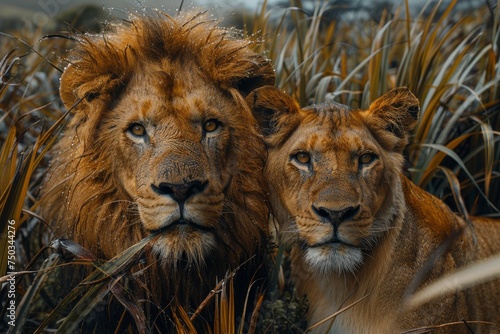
336,216
182,191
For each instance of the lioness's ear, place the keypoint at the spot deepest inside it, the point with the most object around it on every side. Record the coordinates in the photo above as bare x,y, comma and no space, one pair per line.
393,116
270,106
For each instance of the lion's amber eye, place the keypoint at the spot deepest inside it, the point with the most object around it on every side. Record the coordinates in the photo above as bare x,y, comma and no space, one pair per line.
366,158
211,125
302,157
137,130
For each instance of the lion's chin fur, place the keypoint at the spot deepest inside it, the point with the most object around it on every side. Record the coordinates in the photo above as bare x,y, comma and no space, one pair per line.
184,246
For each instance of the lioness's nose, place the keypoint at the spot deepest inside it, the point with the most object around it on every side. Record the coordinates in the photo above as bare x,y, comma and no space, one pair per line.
336,216
182,191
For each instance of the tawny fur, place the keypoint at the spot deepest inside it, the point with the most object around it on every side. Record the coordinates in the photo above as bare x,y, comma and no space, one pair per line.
171,75
359,229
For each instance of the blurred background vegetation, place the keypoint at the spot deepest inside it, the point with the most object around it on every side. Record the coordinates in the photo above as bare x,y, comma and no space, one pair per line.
447,53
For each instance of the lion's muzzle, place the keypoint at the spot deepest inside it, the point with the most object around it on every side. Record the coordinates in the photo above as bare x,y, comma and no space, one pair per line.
180,192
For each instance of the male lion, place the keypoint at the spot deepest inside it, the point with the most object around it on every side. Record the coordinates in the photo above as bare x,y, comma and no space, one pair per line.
162,141
359,229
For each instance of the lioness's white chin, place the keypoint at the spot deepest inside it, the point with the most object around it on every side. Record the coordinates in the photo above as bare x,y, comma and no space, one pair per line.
334,258
180,248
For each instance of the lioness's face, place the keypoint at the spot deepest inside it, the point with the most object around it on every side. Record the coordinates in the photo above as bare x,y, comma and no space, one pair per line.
174,146
329,175
332,170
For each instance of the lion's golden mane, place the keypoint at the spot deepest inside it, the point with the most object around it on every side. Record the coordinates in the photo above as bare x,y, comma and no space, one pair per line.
84,194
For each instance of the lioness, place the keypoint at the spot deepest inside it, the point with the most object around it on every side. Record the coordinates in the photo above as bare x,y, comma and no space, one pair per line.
162,142
360,230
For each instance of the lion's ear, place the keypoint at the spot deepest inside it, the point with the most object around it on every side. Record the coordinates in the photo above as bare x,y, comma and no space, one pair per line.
245,74
393,116
261,73
87,90
81,83
75,89
270,106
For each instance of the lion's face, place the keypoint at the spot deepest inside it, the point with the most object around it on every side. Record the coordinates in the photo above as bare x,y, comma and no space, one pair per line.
332,170
176,156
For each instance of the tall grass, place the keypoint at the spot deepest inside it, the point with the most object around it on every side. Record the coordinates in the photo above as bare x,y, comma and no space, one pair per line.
449,60
29,120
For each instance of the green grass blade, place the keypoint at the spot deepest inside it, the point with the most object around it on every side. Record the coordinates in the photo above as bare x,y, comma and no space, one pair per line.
95,287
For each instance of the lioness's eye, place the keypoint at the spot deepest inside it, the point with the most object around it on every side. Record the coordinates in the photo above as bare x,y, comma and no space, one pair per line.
366,158
137,130
302,158
211,125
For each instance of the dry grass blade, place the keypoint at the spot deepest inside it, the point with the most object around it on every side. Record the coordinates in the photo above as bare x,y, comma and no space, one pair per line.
223,310
355,71
231,315
217,289
255,315
224,320
70,249
489,152
378,65
8,164
459,161
245,306
32,49
217,324
463,278
463,107
332,316
429,329
131,304
438,157
181,320
13,199
455,190
5,278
